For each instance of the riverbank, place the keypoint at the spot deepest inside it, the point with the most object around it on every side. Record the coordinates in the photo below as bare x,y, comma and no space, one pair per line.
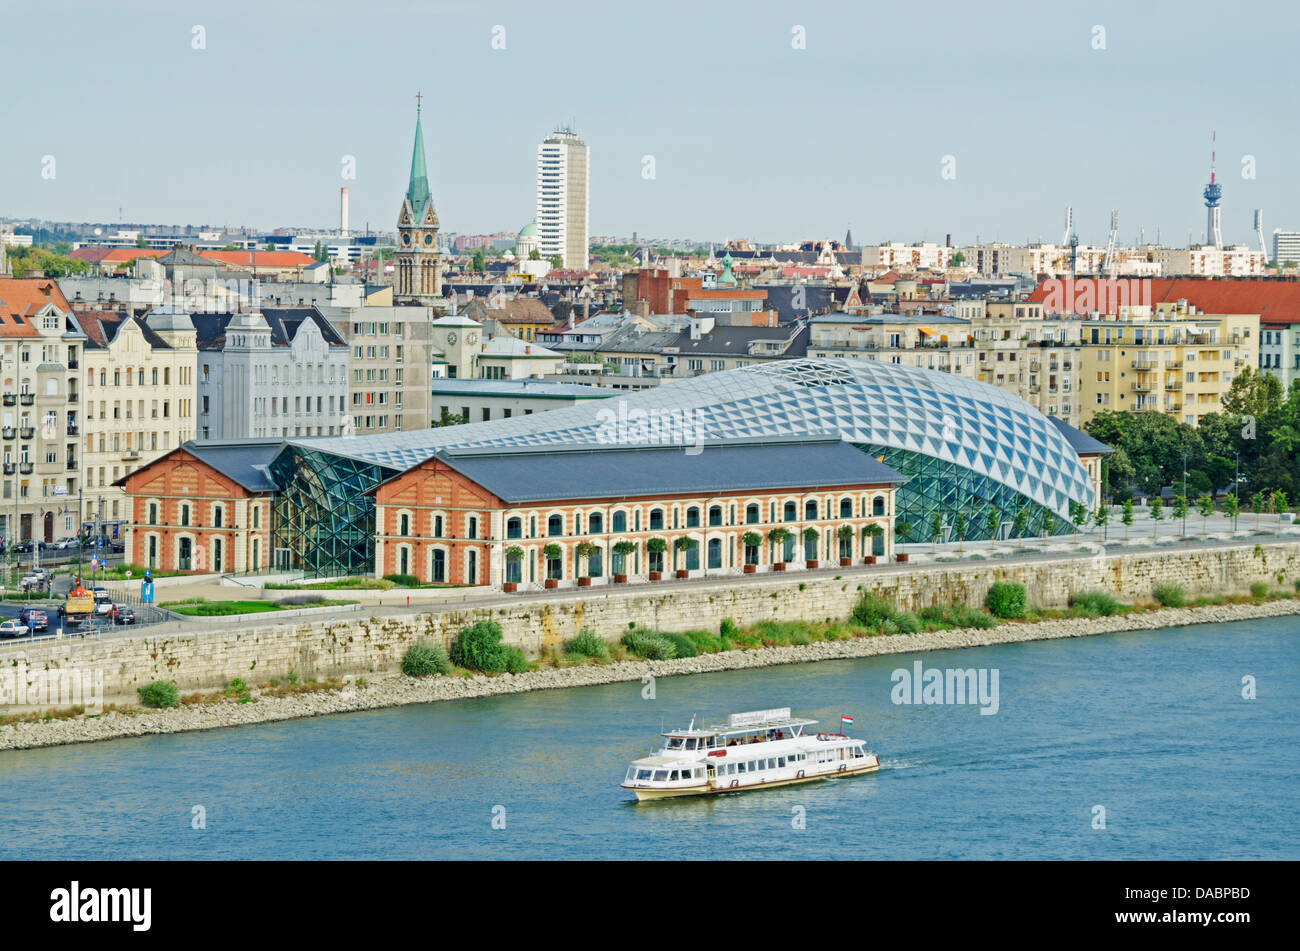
390,690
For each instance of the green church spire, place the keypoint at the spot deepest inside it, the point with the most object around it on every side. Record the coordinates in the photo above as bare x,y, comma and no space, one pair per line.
417,193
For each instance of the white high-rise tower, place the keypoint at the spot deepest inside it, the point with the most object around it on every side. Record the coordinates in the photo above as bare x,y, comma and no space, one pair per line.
563,192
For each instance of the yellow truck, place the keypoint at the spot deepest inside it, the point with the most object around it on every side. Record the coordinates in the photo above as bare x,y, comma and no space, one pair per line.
79,605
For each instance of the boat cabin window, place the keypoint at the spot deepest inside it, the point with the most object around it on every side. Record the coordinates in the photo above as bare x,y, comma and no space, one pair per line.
675,743
661,775
643,774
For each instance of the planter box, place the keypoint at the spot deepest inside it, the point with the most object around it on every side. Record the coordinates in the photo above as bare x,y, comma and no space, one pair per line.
869,560
510,587
656,575
750,569
902,557
845,562
683,573
779,566
813,563
584,582
620,579
552,582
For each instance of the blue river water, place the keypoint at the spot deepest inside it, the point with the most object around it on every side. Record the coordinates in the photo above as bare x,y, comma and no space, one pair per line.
1152,727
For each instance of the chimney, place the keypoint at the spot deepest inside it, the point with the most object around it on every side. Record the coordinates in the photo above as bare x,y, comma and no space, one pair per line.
343,211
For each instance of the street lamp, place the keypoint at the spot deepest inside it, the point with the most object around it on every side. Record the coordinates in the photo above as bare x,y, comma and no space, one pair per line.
1236,486
1184,493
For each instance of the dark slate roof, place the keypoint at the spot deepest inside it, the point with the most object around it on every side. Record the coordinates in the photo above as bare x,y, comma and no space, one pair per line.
102,327
210,329
1079,441
732,341
241,460
553,473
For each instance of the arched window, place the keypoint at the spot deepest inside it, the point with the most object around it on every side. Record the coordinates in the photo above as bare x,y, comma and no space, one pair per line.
751,513
656,520
473,527
846,508
620,521
185,515
404,529
878,505
218,515
692,517
257,517
555,525
153,513
514,528
715,553
437,526
791,512
810,509
595,524
715,515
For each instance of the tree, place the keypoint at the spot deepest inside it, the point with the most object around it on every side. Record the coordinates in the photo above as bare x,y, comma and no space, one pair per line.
557,263
1231,506
902,531
655,548
936,529
514,555
685,544
449,419
751,541
778,537
553,554
534,255
1253,394
1049,524
958,259
1126,516
1180,510
845,535
992,523
1258,505
959,528
1079,515
1205,505
874,531
622,550
1020,523
476,262
583,552
1157,507
1277,503
1102,517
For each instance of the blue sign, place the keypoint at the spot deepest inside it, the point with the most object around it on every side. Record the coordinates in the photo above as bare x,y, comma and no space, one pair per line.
146,591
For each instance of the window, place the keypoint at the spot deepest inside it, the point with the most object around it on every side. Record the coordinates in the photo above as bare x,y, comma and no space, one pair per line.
878,505
810,509
555,525
185,514
218,514
514,528
656,520
751,513
715,515
620,521
692,517
790,512
595,524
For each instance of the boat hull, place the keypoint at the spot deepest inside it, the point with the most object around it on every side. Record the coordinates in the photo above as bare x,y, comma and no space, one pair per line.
650,793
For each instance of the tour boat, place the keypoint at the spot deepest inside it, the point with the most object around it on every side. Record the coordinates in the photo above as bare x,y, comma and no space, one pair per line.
755,750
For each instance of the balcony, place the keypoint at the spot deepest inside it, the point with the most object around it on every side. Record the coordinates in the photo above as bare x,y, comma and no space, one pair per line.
8,432
1175,364
1142,387
72,429
131,454
1145,363
27,432
72,465
10,468
26,467
73,364
1174,385
72,397
11,399
27,399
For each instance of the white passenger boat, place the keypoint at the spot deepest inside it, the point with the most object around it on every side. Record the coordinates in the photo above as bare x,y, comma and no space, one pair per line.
760,749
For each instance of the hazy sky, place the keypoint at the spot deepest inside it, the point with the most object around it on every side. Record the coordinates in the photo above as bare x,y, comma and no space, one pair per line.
750,137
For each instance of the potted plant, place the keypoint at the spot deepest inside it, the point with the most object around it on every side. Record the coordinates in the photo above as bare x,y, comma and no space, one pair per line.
845,534
777,537
552,552
810,536
872,532
751,541
656,547
623,549
514,555
582,552
901,531
684,545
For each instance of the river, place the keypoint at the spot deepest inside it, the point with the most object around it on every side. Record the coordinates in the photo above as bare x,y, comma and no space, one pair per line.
1151,727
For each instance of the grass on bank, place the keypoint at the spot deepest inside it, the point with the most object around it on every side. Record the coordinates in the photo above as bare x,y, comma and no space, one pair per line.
202,607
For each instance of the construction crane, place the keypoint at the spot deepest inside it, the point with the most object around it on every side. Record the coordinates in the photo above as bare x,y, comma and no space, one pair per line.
1108,263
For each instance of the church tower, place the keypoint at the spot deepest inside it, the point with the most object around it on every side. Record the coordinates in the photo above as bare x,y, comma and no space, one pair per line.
417,270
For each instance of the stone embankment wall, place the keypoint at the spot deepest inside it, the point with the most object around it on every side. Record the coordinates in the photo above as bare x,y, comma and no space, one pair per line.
257,651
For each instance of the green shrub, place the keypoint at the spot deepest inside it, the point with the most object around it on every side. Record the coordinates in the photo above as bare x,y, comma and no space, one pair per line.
683,646
1170,595
513,660
237,689
1006,599
934,612
478,647
160,693
648,645
403,581
292,676
907,622
887,626
706,643
1259,590
963,616
587,644
424,658
1093,604
729,630
871,611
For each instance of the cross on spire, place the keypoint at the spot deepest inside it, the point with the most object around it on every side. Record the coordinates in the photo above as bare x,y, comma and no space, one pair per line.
418,97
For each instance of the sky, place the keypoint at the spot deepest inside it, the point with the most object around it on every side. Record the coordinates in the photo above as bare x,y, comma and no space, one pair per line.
769,121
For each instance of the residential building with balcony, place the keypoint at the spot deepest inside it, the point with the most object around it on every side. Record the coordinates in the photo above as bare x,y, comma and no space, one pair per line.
929,341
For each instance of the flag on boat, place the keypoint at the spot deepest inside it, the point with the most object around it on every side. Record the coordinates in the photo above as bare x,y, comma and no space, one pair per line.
848,721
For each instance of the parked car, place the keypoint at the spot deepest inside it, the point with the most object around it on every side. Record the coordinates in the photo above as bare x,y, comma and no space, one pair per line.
64,544
121,614
34,618
12,628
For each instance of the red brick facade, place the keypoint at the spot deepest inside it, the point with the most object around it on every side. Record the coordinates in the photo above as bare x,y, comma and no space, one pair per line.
434,523
186,516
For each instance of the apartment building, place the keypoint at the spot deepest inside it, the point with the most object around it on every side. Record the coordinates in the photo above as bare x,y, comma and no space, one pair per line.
275,372
391,350
1166,360
929,341
1021,352
1279,350
139,391
563,197
40,361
